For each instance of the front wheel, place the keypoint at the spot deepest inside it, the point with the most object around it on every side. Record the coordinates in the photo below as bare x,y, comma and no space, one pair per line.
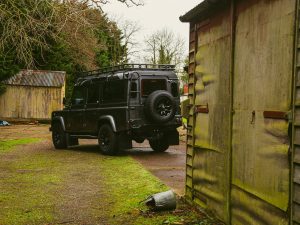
59,137
107,140
159,145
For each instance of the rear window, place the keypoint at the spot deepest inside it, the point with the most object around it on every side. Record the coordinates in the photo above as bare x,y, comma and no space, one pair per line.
151,85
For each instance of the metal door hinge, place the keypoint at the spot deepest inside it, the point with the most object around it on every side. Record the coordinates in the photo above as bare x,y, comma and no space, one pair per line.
279,115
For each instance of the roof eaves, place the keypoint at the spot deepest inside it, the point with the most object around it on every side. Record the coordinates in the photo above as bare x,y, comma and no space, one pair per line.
203,10
37,78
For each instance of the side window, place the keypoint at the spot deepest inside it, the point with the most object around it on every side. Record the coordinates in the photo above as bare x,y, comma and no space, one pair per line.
115,91
133,91
78,96
93,94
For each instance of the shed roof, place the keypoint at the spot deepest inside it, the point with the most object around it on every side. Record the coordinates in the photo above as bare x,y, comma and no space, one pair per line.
203,10
38,78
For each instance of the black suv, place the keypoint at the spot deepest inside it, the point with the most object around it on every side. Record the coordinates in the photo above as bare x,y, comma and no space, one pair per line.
119,104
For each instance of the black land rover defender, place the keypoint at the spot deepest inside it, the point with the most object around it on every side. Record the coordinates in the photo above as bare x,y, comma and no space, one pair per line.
120,104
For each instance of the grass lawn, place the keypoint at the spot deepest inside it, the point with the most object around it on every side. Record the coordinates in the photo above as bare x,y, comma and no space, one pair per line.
39,185
8,145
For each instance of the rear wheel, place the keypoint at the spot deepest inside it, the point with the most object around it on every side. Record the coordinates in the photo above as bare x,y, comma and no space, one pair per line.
59,137
159,145
107,139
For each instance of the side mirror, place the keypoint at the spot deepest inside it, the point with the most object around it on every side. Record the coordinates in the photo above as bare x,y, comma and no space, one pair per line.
64,101
77,101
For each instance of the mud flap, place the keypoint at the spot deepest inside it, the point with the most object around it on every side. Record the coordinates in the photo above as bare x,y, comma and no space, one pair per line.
124,141
172,136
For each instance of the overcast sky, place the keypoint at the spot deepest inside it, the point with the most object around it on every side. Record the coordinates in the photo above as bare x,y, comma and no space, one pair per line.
154,15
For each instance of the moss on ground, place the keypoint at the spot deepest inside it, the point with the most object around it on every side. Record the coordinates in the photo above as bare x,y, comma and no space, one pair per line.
129,184
26,189
35,181
9,145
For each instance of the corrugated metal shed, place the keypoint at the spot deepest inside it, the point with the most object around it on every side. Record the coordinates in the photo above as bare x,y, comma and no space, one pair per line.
38,78
243,138
33,94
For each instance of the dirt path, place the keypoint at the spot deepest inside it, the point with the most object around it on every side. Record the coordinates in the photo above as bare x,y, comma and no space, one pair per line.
53,186
168,166
40,185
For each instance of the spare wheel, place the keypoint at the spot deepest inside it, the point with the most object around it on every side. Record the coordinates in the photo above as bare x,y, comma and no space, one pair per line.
160,106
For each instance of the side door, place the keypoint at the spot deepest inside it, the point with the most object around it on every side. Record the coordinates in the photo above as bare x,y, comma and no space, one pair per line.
75,121
92,112
115,101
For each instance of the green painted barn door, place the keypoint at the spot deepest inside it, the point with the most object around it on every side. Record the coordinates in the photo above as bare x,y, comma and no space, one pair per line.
262,97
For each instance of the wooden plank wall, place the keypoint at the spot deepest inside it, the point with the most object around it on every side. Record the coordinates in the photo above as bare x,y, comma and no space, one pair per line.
191,119
296,129
259,179
212,114
25,102
262,82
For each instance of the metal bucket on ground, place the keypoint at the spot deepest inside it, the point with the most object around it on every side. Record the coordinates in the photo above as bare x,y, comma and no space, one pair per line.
162,201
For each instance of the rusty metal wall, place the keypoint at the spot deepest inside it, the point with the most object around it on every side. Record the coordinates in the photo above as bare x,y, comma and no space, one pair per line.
262,86
25,102
243,174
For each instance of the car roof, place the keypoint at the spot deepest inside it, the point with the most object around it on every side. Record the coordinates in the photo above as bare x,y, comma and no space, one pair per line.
127,71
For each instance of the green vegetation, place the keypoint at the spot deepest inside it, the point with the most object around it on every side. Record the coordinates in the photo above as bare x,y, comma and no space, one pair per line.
36,184
27,190
129,184
57,35
8,145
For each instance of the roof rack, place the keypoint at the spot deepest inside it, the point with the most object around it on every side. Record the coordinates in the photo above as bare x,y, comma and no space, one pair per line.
128,67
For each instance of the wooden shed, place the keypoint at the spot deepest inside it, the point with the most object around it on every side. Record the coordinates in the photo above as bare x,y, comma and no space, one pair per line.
243,141
32,95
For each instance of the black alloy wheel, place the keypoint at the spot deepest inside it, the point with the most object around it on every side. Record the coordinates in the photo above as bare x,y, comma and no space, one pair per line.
160,106
163,106
107,140
59,137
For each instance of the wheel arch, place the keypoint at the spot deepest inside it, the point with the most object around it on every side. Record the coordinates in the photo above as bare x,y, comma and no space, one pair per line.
59,119
109,120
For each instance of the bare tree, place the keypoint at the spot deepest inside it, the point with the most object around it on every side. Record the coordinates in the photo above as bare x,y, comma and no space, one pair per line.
164,47
129,31
99,3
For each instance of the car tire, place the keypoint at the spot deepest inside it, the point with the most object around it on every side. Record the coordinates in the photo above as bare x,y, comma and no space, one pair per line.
159,145
160,106
59,137
107,140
